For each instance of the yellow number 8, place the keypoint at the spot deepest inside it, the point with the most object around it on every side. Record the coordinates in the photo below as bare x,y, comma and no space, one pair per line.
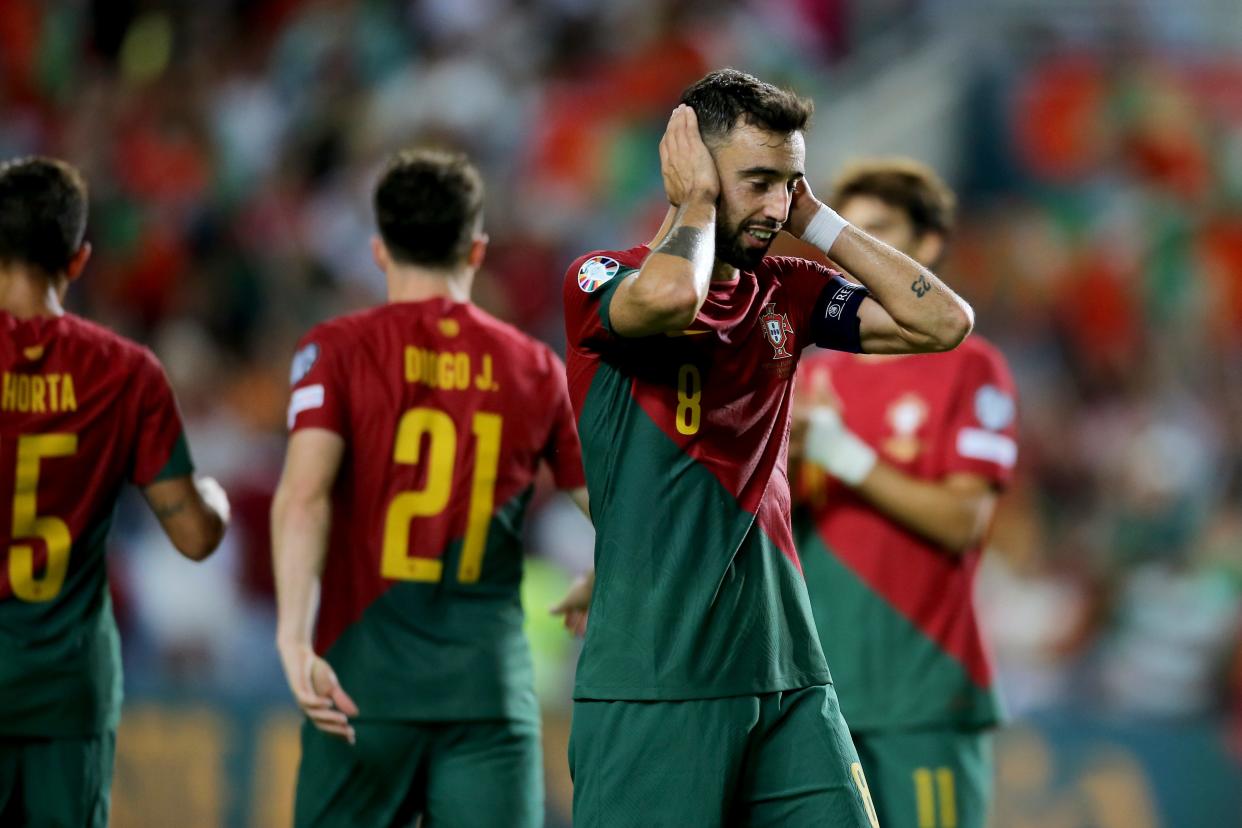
689,395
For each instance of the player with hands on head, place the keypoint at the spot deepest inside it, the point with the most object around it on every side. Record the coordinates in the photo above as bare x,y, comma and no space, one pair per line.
903,460
701,674
83,411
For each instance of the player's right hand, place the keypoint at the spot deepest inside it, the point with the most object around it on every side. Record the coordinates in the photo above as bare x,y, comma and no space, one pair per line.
576,605
317,691
685,162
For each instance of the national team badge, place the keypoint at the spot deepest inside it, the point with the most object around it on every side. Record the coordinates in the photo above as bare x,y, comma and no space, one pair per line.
778,331
597,271
905,416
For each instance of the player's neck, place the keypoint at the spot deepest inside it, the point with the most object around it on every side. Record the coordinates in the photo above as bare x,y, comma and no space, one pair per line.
416,284
25,295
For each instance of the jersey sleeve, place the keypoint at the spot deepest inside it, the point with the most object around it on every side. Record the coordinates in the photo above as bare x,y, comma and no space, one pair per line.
319,391
161,452
824,305
982,430
562,452
589,286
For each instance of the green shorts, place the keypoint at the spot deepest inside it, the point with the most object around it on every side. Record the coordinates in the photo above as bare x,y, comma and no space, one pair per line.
936,778
778,759
469,774
56,781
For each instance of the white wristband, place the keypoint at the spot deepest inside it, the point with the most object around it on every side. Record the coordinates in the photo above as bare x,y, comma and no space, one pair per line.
837,449
824,227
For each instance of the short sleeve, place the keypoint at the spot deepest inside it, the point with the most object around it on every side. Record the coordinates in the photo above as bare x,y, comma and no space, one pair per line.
318,395
824,305
982,430
589,286
562,452
161,452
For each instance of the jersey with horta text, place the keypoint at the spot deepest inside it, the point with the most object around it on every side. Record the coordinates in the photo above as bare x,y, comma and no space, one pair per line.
895,613
447,415
698,589
82,412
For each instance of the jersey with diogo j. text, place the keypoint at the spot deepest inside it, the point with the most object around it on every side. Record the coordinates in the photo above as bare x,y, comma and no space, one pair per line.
895,613
447,415
698,588
82,412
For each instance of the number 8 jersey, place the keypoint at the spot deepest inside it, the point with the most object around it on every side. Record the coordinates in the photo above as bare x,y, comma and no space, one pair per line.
446,414
82,412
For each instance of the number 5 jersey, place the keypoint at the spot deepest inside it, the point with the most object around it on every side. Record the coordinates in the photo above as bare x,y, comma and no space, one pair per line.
446,414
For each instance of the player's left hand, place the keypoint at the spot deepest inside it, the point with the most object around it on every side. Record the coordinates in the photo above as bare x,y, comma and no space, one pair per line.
576,605
802,208
318,691
814,391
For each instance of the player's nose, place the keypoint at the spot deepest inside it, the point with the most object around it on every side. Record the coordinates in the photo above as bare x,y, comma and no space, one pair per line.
776,205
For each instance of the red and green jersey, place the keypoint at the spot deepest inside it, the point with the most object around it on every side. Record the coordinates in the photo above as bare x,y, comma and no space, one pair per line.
82,411
446,414
895,612
698,590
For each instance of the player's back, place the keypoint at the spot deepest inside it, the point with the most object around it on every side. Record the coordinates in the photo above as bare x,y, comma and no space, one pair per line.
82,411
446,414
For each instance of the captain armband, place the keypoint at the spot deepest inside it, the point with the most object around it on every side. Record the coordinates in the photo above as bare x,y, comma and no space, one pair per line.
834,322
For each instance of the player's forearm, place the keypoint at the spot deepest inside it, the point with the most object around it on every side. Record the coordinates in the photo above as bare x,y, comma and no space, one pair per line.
931,316
955,521
672,284
299,548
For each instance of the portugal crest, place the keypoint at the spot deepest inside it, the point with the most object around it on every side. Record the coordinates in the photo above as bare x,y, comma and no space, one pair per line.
778,331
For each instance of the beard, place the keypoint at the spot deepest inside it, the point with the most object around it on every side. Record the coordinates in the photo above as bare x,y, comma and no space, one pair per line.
732,249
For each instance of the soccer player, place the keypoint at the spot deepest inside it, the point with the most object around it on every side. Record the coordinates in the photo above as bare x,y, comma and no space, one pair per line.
417,430
915,451
702,694
82,411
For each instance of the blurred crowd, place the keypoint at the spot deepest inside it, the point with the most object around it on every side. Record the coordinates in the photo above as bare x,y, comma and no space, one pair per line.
230,148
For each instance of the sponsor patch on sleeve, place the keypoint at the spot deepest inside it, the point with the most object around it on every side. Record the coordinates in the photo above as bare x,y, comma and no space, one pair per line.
304,399
596,272
988,446
302,362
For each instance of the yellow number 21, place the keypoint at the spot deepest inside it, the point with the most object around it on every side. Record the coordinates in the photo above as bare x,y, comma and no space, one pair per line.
397,563
31,449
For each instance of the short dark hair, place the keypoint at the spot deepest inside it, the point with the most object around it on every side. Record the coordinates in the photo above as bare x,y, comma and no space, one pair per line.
427,206
726,97
43,206
908,185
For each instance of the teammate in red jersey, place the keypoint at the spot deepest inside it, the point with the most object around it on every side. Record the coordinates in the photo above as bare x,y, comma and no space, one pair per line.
82,411
916,450
417,430
702,695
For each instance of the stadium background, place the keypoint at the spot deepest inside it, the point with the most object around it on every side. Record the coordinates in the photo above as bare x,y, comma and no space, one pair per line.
1097,149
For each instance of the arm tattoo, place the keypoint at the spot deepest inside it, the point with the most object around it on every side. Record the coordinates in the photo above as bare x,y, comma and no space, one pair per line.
167,510
921,286
683,242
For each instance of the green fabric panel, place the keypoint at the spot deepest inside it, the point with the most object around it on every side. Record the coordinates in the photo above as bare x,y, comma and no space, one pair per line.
446,651
692,600
890,675
179,463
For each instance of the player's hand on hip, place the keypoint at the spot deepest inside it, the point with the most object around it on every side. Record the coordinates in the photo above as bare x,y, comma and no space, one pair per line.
802,208
576,605
318,691
685,162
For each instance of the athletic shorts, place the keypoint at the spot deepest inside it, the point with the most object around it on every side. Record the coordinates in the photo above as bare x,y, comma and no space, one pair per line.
935,778
56,781
459,774
776,759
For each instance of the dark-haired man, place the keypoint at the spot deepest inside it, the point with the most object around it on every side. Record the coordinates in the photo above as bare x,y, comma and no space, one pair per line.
702,694
82,411
904,459
417,429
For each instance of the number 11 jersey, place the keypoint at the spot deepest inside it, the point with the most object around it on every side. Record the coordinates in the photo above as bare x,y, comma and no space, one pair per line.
446,414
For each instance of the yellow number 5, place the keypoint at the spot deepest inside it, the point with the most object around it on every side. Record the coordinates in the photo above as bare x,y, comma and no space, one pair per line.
433,498
31,449
689,395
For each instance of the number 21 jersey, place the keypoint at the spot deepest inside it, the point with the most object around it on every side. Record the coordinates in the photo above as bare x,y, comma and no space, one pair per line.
446,414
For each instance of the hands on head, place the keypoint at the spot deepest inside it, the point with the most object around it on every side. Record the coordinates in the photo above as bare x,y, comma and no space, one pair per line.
686,163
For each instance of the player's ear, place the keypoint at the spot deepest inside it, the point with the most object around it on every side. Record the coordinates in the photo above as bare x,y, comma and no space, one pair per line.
380,254
929,248
478,251
78,263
